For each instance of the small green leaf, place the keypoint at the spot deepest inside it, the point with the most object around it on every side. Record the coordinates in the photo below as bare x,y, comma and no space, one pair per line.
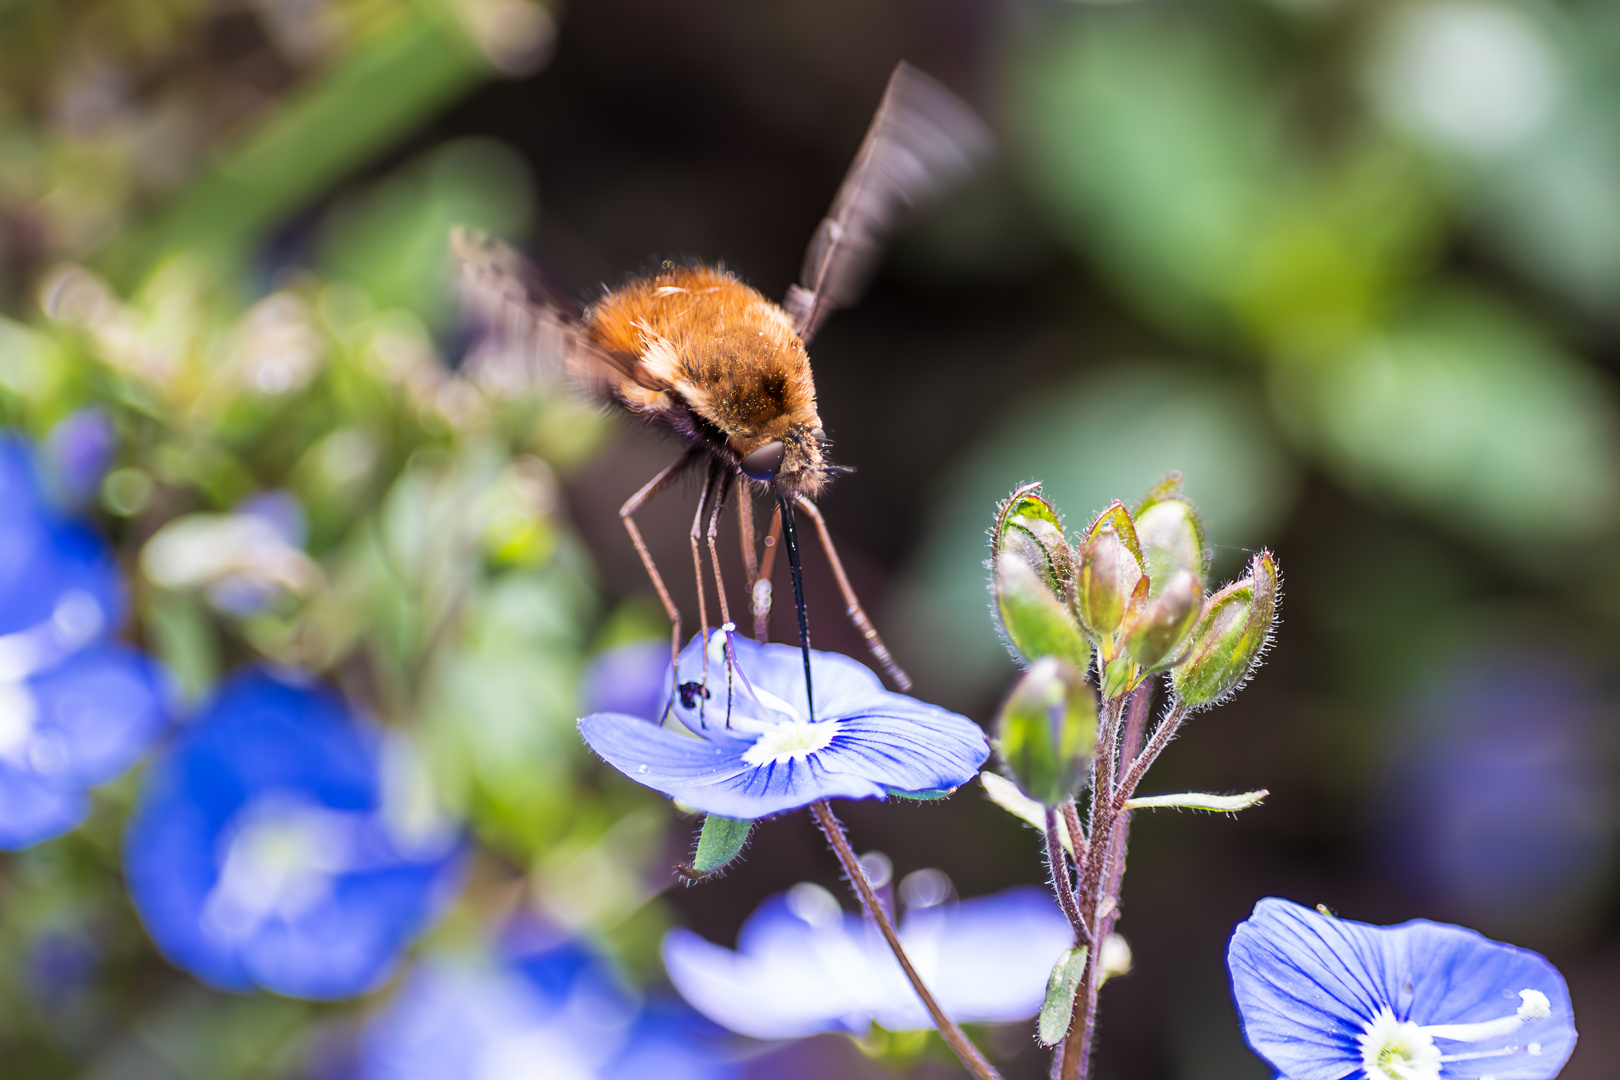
1194,800
720,842
1005,794
1061,986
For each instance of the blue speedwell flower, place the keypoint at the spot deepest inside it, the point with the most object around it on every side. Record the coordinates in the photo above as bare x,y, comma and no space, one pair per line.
76,709
284,844
751,747
803,966
536,1009
1329,999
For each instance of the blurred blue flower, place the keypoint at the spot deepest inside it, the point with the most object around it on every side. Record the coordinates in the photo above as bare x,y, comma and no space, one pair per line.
1328,999
285,844
76,710
758,751
803,966
627,679
1499,802
540,1009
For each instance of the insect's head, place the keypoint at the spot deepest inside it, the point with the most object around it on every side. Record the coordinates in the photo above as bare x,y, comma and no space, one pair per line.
795,463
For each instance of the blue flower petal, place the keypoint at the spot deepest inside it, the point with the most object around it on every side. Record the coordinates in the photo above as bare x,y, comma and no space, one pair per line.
265,745
844,687
98,711
1459,976
1307,984
913,748
798,972
32,810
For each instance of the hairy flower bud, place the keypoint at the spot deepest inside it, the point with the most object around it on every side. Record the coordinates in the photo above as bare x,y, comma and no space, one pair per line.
1171,537
1047,731
1110,568
1033,573
1230,637
1156,631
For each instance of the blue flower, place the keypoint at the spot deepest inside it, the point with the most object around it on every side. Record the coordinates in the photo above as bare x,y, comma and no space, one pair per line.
1329,999
76,710
284,844
538,1009
752,748
803,966
627,679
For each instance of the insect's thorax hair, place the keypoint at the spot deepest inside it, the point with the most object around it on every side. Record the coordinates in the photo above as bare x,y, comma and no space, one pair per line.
717,362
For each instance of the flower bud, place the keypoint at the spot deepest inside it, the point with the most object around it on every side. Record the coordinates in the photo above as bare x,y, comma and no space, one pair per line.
1036,621
1028,526
1230,637
1109,571
1171,537
1047,732
1156,630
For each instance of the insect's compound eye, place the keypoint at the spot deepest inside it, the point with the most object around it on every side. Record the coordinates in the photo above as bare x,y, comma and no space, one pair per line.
763,463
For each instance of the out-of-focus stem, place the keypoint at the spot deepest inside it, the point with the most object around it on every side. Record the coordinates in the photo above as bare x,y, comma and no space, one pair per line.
953,1035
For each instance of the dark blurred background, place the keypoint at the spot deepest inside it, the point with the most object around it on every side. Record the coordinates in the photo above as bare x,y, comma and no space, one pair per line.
1352,267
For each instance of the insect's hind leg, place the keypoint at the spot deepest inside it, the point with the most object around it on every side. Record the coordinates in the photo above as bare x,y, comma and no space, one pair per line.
857,614
627,515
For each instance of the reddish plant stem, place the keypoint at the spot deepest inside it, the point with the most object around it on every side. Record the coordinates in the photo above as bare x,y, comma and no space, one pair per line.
953,1035
1057,865
1103,867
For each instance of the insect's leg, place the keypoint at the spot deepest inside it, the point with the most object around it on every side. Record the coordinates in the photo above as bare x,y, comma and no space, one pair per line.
857,614
696,536
718,505
627,515
745,532
760,594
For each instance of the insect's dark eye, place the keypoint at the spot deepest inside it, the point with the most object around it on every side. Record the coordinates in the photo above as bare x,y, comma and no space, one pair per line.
763,463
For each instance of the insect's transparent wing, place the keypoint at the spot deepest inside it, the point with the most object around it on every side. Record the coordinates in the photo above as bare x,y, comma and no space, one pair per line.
923,141
526,334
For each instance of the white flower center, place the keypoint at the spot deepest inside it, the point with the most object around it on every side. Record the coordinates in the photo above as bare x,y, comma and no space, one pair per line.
1392,1049
791,740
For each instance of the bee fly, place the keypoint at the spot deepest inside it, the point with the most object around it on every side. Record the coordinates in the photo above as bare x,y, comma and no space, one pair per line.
695,351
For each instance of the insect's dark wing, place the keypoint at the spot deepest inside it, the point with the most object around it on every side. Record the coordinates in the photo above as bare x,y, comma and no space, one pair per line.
923,141
528,334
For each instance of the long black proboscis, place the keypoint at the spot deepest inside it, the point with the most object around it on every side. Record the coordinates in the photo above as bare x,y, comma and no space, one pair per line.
790,539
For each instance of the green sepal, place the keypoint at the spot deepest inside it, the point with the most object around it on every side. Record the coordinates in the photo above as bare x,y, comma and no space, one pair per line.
1197,800
920,796
1028,526
1036,619
1229,638
1061,987
720,842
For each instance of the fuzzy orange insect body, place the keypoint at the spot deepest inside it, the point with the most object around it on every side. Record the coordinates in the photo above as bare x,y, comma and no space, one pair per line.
704,340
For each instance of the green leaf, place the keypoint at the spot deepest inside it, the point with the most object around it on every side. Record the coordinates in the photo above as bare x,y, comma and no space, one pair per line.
1061,987
1005,794
1194,800
720,842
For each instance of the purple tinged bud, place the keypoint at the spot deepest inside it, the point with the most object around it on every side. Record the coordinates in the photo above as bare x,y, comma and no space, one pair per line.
1109,574
1230,638
1156,631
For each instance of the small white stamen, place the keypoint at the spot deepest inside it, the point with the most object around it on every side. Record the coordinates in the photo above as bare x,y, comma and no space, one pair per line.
1534,1006
793,740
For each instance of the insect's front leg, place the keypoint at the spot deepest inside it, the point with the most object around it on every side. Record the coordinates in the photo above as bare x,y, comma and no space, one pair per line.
857,614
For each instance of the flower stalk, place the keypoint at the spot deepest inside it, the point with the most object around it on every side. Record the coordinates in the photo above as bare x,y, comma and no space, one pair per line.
958,1041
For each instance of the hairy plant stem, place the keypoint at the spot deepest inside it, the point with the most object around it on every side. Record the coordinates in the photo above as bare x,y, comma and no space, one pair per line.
1057,865
1114,776
953,1035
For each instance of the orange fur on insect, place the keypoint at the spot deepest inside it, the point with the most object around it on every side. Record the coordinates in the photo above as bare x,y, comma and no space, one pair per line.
729,354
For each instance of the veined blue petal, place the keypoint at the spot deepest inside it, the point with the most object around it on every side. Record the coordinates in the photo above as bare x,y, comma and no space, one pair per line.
922,752
658,756
1307,985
